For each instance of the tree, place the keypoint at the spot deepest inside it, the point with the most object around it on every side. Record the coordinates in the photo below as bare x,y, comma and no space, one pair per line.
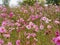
29,2
56,2
6,2
53,2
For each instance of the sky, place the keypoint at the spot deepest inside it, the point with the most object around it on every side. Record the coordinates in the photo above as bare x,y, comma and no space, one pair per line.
0,1
12,2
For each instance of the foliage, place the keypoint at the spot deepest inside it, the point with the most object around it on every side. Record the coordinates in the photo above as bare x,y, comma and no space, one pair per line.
28,2
6,2
57,2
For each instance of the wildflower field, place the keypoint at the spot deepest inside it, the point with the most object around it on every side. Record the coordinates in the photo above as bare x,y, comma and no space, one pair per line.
30,25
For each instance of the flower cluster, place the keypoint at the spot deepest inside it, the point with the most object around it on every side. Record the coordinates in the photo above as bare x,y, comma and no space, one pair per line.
29,25
56,40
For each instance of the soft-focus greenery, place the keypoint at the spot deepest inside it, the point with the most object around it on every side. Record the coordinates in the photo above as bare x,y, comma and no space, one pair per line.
6,2
29,2
57,2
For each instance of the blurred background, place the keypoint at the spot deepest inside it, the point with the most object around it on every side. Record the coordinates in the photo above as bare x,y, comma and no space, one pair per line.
13,3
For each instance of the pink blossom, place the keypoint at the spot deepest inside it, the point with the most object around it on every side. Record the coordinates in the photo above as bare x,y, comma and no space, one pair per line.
28,36
1,7
6,35
17,42
4,23
9,43
36,28
18,24
49,26
25,11
3,15
31,23
56,40
46,19
56,22
21,20
1,41
32,17
41,26
2,30
37,16
33,34
57,33
4,9
32,9
11,14
28,26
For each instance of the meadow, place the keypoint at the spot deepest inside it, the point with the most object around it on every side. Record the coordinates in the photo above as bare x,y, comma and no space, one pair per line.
30,25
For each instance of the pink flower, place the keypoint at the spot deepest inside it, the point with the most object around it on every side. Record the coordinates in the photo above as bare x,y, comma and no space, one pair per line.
17,42
2,30
1,7
18,24
4,9
45,19
28,27
31,9
31,23
37,16
9,43
56,22
32,17
33,34
49,26
41,26
28,36
1,41
4,23
25,33
36,28
57,33
6,35
56,40
11,14
3,15
25,11
21,20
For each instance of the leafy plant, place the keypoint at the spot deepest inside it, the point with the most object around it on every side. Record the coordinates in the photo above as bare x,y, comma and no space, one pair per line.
29,2
53,2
